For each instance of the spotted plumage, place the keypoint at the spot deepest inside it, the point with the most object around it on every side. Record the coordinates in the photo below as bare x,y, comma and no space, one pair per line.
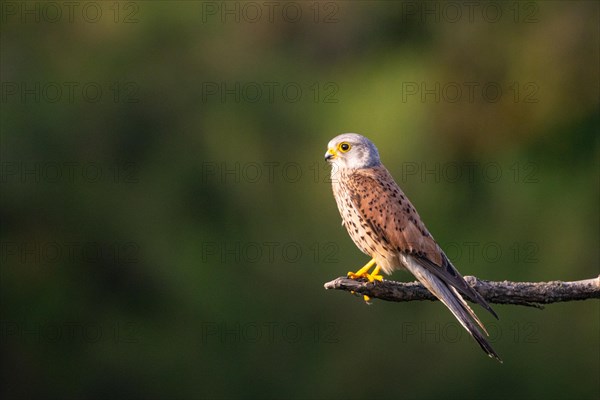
383,224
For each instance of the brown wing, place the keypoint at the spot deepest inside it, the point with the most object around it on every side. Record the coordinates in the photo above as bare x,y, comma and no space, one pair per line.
390,214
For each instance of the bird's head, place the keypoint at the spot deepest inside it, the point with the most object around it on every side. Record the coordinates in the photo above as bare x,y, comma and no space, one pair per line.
351,150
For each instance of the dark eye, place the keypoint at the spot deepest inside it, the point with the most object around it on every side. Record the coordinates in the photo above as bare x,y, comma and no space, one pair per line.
344,147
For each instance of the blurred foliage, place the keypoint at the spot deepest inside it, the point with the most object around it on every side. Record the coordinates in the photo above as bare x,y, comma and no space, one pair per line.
187,270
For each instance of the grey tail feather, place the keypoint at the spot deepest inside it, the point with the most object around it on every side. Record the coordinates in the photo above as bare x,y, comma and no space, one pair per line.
455,303
452,277
471,292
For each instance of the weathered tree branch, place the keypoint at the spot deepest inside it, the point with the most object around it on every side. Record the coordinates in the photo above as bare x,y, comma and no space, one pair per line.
532,294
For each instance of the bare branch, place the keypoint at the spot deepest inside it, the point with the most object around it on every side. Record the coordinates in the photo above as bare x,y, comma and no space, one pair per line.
532,294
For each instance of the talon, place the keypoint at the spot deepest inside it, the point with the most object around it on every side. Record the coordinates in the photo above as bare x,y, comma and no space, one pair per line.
375,275
364,271
355,276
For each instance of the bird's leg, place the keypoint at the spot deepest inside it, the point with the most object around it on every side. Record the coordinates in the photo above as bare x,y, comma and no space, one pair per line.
364,272
375,275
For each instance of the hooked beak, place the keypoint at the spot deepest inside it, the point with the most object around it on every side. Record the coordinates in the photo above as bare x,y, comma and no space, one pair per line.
330,154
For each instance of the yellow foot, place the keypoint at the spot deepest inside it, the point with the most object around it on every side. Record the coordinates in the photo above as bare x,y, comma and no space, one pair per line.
366,298
364,273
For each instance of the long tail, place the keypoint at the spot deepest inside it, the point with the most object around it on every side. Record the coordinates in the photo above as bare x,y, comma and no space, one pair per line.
453,300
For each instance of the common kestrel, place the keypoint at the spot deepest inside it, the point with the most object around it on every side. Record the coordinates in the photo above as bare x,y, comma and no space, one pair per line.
383,223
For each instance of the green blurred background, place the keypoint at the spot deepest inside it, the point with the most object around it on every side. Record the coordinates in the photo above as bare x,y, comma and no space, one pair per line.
167,224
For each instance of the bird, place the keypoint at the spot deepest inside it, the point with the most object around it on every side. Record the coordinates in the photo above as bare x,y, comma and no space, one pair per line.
383,224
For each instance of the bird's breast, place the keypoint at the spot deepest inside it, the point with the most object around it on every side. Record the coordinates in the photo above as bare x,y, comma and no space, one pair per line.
361,230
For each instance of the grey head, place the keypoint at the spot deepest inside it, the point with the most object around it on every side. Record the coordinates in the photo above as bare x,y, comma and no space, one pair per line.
351,150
